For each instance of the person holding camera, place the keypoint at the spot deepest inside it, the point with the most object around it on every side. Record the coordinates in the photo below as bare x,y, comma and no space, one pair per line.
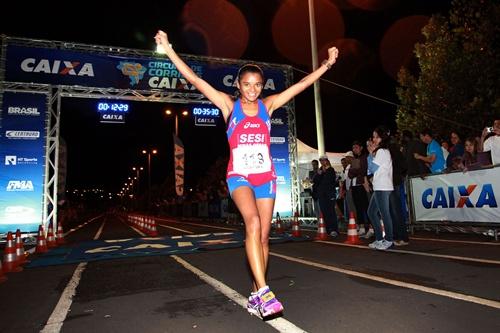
492,143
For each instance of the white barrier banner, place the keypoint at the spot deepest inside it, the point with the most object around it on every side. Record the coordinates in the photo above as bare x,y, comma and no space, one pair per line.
458,197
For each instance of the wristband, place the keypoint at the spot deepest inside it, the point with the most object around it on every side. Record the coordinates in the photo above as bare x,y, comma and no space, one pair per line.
325,62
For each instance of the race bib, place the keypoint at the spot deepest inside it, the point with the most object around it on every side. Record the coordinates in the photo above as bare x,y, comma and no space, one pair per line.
250,159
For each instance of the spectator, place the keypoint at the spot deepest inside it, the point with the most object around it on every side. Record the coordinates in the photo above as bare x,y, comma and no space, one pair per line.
456,150
314,178
380,166
434,158
469,159
346,185
357,173
399,170
445,147
410,148
326,188
492,143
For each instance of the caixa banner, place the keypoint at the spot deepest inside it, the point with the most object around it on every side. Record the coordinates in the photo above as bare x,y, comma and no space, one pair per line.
458,197
68,67
22,160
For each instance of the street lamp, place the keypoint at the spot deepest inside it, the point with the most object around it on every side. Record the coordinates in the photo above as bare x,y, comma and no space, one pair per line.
137,170
169,112
149,153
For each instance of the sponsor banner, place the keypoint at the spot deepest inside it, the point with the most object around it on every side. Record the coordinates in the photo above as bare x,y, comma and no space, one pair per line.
280,153
22,160
65,67
458,197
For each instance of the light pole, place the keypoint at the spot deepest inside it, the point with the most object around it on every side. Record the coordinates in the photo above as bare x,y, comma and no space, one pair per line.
149,153
137,170
317,98
169,112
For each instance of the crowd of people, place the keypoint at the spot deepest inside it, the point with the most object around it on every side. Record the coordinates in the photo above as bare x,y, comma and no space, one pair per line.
371,184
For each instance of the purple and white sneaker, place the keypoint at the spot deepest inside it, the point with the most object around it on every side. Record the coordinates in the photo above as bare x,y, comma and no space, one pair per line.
253,304
269,305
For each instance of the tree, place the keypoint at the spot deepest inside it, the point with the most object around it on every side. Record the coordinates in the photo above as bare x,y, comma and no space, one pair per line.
458,84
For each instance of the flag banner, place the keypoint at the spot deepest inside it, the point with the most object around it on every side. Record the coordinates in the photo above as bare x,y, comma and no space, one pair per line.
179,166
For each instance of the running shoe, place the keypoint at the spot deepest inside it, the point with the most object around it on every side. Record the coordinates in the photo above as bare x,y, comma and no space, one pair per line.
269,304
253,304
375,245
384,245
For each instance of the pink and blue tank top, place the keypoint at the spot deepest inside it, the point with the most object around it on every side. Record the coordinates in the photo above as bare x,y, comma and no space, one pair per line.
250,145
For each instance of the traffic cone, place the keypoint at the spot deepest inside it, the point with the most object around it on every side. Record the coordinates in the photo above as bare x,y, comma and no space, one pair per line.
152,228
51,240
352,231
3,278
41,243
20,253
10,262
321,234
279,225
296,225
60,234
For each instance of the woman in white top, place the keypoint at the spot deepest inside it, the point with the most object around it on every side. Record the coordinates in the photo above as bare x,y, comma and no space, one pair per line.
380,166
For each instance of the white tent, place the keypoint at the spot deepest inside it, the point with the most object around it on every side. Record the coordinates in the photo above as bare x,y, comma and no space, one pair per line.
306,154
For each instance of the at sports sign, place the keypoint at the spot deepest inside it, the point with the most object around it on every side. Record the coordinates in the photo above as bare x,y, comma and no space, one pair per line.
458,197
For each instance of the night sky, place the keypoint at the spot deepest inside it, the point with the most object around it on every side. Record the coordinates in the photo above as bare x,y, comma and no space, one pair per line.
375,38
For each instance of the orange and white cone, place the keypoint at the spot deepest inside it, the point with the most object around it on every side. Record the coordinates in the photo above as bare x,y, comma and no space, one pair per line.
10,262
60,234
41,242
152,228
296,225
279,224
51,239
352,231
321,234
20,253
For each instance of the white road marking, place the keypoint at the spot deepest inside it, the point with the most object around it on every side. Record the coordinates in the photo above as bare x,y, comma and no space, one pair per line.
173,228
430,290
196,224
424,254
56,319
280,324
60,312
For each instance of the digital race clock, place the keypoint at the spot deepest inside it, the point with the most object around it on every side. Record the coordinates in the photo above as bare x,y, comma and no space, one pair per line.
112,107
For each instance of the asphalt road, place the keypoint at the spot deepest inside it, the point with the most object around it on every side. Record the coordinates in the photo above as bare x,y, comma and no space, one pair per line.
438,283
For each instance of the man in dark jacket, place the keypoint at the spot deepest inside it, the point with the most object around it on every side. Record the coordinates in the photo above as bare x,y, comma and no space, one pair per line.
357,174
410,147
326,187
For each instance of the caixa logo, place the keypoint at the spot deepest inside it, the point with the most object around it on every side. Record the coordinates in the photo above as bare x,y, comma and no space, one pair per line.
60,67
447,198
20,186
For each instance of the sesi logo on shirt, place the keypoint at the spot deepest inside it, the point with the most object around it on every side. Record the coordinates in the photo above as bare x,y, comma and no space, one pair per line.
251,138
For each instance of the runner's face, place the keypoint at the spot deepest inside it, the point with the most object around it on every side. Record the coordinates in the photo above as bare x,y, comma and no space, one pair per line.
250,86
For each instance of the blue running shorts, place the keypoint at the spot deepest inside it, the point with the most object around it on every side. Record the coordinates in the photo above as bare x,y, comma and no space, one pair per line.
266,190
